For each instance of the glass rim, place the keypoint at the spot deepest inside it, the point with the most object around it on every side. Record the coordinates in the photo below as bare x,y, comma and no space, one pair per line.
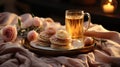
74,10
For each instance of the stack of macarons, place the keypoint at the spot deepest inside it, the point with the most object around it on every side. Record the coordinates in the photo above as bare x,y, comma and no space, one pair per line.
61,40
45,35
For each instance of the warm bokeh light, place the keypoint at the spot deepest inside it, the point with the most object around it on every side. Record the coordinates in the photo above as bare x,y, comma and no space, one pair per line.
110,1
109,6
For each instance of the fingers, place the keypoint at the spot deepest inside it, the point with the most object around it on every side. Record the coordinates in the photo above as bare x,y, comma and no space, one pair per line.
105,35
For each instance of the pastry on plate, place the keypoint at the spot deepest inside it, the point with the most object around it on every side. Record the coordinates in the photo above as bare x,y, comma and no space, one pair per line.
61,40
45,35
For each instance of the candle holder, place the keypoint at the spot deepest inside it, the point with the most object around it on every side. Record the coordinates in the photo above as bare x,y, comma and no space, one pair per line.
109,6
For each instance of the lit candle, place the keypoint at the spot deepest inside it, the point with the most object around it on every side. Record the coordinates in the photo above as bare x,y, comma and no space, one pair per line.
108,8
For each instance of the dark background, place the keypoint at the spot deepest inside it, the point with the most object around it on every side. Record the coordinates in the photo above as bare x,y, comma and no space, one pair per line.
56,10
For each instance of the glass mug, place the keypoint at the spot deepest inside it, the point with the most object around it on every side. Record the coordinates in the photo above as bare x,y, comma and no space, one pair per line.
74,22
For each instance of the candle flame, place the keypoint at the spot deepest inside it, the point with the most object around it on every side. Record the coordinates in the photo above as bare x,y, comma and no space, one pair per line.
110,0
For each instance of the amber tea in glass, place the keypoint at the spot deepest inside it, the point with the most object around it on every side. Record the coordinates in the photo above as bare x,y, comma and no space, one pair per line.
74,22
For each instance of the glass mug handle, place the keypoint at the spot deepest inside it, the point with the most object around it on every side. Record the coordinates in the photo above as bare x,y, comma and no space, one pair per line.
87,23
